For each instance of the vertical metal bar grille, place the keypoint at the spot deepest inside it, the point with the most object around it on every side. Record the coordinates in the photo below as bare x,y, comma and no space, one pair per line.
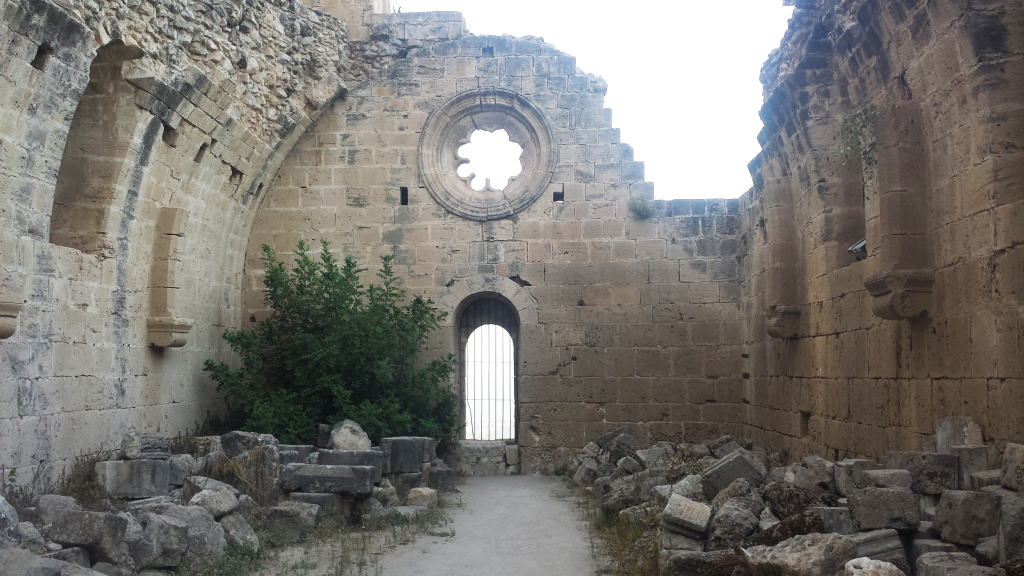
489,330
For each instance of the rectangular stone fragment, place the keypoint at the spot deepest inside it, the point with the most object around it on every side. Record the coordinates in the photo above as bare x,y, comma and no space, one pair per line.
329,503
1013,466
970,459
134,478
686,517
887,479
354,458
301,452
406,454
965,517
932,472
738,464
884,545
837,520
849,473
879,508
980,480
333,479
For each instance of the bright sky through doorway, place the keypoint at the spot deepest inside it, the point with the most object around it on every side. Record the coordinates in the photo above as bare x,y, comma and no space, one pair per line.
682,75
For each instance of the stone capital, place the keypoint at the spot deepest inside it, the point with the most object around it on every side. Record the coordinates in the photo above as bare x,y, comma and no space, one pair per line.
901,294
783,321
168,332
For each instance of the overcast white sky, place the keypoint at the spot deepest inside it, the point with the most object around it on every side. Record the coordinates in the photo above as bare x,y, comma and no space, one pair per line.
682,75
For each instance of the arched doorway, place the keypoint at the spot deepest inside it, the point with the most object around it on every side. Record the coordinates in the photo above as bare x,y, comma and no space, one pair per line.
488,353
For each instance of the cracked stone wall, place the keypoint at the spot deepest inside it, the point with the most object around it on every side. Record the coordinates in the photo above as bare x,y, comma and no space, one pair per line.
902,123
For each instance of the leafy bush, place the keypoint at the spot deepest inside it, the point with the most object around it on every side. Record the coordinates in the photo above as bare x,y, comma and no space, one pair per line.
333,349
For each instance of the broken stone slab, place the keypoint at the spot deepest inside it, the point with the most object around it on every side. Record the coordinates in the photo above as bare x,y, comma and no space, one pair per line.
604,439
920,547
167,538
330,504
621,446
49,505
302,452
136,446
723,446
353,458
987,551
422,497
942,563
15,561
134,478
205,537
237,442
349,435
837,520
9,519
787,499
848,474
622,494
739,488
407,454
739,464
442,477
884,545
1013,466
932,473
801,524
1011,527
238,532
980,480
180,467
72,555
887,479
289,519
808,555
100,533
628,465
956,431
966,517
319,478
695,563
217,502
731,523
671,541
686,517
880,508
869,567
767,519
970,459
690,487
196,484
30,538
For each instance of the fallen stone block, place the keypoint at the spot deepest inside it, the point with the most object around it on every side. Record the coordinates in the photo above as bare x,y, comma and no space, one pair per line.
335,479
690,487
205,536
15,561
100,533
628,465
887,479
196,484
848,474
987,551
837,520
406,454
1013,466
442,478
167,538
289,519
71,555
353,458
330,504
135,446
349,435
738,489
920,547
970,460
180,467
237,442
965,517
686,517
422,497
238,532
879,508
30,538
622,494
980,480
695,563
931,472
869,567
884,545
799,525
787,499
302,452
739,464
809,555
956,431
134,478
671,541
217,502
942,563
731,523
1011,527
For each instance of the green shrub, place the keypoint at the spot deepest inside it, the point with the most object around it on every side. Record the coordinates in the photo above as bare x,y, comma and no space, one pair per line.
334,349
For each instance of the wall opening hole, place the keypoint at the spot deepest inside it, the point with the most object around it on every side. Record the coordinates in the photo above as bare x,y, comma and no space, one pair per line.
236,176
490,160
201,153
490,384
805,424
559,196
404,192
42,56
170,136
488,52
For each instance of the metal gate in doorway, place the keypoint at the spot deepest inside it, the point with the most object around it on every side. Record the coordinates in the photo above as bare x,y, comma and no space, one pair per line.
488,337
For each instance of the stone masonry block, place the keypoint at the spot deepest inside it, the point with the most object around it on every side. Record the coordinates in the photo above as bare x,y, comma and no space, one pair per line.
738,464
406,454
1013,466
878,508
932,472
333,479
134,478
373,458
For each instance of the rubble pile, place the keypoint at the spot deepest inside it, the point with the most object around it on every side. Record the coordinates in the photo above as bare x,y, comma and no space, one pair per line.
721,508
172,512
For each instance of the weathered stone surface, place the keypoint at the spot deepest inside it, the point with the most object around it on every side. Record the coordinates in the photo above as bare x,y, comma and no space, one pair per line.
987,551
887,479
739,488
920,547
942,563
628,465
787,499
882,545
980,480
196,484
180,467
216,502
301,453
1013,466
406,454
137,446
318,478
1011,527
694,563
739,464
288,520
49,505
134,478
837,520
422,497
71,555
349,435
690,487
98,532
238,532
965,517
168,539
30,538
442,478
329,503
686,517
15,561
8,519
869,567
849,474
971,460
353,458
731,524
237,442
956,431
205,536
671,541
878,508
622,494
809,555
931,472
723,446
801,524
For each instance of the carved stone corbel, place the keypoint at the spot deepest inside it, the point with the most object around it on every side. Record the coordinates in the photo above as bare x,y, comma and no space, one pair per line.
169,332
165,328
783,321
901,294
9,312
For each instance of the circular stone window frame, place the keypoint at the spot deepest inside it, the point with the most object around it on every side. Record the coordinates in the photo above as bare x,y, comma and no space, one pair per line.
450,126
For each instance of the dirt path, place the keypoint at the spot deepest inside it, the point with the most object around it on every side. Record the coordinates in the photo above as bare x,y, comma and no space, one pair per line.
512,525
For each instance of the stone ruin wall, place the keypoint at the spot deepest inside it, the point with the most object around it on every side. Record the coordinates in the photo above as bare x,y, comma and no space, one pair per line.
141,139
902,123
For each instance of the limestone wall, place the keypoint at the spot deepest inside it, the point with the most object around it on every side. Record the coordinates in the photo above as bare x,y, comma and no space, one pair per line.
900,123
623,321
